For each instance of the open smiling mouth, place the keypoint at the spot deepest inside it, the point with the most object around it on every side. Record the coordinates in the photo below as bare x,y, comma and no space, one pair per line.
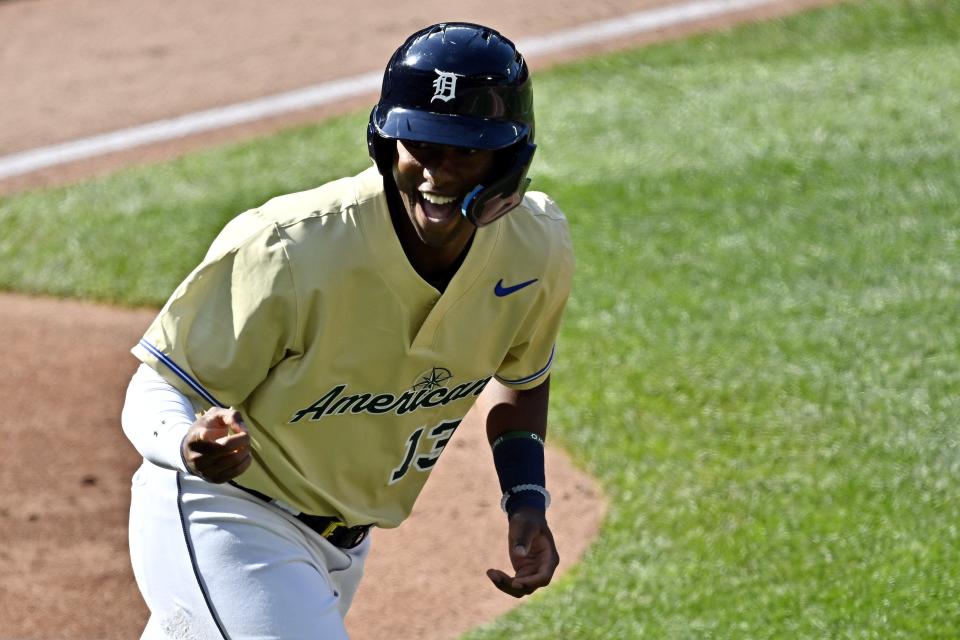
439,208
434,198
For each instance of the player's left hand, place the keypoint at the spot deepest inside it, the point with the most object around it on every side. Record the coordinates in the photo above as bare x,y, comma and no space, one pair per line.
533,554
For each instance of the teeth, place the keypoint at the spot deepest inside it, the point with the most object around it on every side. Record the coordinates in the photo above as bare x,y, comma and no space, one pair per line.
433,198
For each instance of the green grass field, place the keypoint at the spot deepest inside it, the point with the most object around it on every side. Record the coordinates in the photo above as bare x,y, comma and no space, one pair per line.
761,358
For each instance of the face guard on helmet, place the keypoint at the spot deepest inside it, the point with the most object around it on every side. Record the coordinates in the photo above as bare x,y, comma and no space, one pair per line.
462,85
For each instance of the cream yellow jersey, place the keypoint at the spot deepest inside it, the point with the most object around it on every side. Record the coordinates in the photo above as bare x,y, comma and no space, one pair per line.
352,372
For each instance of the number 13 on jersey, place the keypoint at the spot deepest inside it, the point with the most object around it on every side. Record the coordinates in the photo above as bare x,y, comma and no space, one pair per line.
440,435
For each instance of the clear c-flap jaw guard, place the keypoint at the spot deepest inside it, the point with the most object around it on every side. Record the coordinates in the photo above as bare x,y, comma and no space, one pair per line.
485,204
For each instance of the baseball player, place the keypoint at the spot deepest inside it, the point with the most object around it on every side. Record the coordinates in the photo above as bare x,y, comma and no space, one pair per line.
299,386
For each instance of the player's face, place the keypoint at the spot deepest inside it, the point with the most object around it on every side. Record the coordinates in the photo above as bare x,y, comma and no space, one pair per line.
432,180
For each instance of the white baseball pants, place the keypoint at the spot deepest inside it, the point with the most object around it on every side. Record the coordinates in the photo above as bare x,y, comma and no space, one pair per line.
215,563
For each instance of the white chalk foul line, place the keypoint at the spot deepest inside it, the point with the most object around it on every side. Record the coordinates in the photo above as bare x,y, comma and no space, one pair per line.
336,90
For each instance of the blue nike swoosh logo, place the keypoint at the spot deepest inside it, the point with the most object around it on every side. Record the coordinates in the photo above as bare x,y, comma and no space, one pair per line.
502,291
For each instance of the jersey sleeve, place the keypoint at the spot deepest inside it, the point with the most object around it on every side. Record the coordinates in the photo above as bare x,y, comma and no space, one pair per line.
231,320
529,360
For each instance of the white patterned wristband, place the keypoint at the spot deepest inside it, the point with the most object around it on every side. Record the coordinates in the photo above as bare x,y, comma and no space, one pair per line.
525,487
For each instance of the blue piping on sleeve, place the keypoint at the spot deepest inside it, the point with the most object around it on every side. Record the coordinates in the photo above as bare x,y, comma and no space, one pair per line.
533,376
183,375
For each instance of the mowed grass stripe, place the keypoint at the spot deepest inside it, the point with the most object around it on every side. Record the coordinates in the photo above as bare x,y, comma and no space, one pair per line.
760,359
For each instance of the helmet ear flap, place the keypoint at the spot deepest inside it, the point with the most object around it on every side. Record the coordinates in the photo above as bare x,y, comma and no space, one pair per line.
380,148
485,204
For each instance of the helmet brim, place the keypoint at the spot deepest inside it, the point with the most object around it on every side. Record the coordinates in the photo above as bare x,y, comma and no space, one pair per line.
454,130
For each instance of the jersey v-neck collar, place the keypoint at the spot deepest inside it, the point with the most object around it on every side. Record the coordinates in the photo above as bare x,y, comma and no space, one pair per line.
402,279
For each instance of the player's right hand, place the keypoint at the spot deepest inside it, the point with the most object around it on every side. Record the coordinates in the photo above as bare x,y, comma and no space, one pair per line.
217,446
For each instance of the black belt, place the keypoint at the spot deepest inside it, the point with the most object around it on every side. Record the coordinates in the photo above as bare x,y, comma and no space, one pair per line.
334,530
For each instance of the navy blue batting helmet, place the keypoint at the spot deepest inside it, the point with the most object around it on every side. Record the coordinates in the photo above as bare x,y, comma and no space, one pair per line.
463,85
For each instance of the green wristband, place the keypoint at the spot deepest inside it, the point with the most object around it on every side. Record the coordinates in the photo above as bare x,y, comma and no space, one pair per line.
513,435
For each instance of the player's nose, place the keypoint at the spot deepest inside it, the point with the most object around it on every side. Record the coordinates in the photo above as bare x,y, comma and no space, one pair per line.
440,168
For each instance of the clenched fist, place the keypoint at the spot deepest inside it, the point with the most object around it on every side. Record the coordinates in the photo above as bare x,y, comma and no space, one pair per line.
217,446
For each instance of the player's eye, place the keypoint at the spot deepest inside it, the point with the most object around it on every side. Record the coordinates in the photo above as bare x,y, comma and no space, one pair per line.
418,146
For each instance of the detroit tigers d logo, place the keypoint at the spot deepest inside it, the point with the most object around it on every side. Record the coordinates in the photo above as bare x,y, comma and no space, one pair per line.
445,85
